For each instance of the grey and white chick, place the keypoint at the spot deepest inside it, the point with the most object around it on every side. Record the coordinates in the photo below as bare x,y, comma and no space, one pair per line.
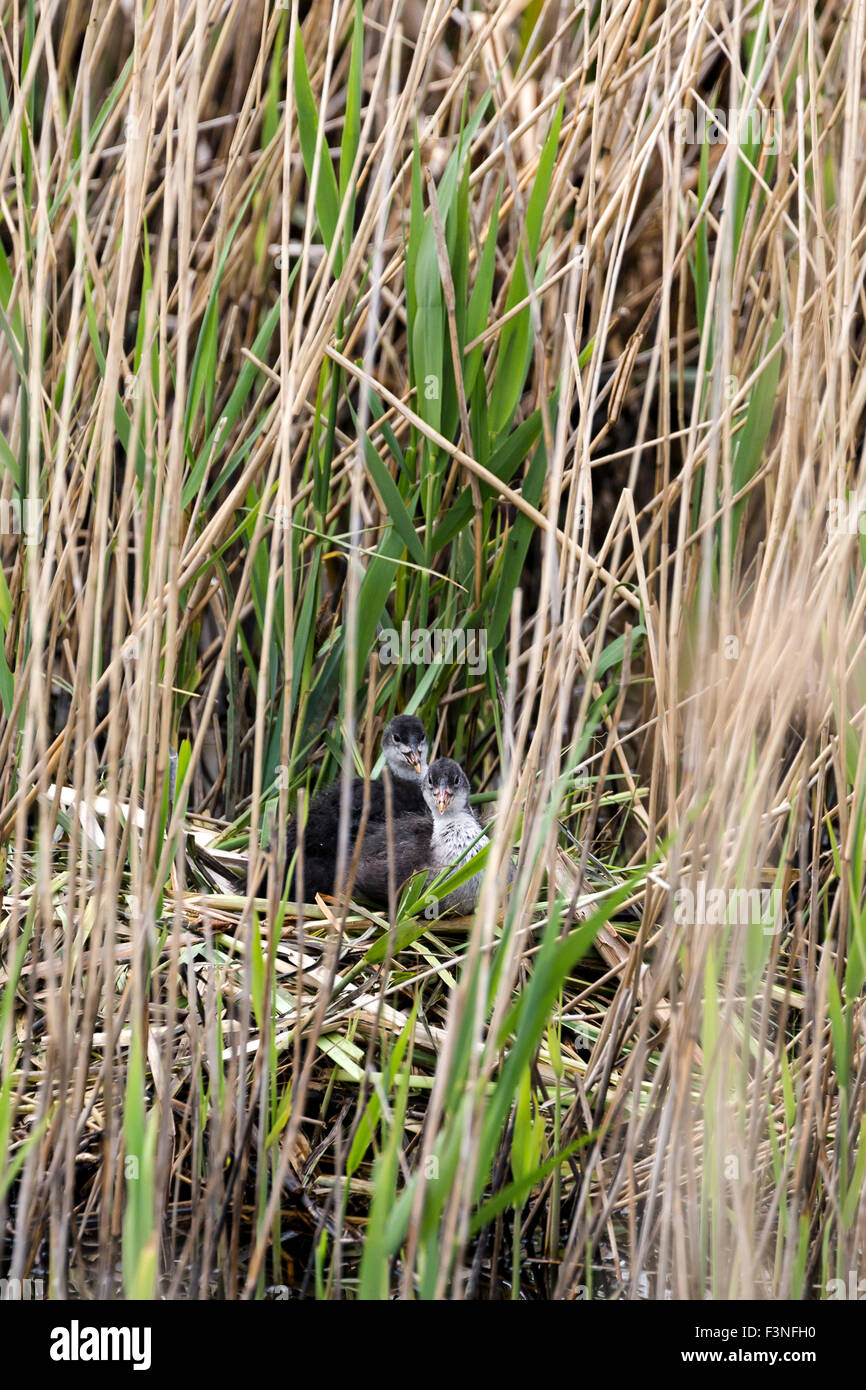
416,843
456,833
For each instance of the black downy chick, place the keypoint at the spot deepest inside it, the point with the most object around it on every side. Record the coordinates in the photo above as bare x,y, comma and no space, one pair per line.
404,744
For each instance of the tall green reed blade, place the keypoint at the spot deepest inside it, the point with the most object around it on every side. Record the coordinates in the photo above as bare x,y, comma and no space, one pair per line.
139,1240
516,549
701,264
527,1146
427,322
752,438
504,462
374,1273
10,1164
515,343
221,431
327,192
7,679
352,125
481,299
395,507
270,126
855,973
202,377
745,183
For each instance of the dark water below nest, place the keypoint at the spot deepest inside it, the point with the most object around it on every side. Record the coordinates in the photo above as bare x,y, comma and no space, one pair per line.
95,1273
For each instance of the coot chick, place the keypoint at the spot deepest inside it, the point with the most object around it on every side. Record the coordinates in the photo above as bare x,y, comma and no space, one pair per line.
404,744
418,845
456,831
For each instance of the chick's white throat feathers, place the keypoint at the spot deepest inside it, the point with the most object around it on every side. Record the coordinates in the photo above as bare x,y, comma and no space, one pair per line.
453,833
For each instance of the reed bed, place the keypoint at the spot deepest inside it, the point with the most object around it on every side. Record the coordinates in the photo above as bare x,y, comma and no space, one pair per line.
544,322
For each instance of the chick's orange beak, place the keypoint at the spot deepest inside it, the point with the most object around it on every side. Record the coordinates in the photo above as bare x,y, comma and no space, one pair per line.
413,758
443,798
